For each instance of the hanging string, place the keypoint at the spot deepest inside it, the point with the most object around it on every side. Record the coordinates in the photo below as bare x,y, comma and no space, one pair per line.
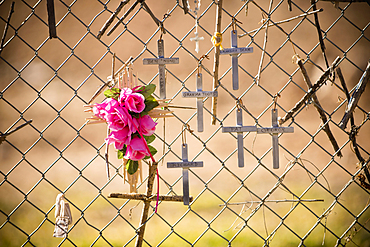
161,25
200,63
183,133
215,37
233,23
275,99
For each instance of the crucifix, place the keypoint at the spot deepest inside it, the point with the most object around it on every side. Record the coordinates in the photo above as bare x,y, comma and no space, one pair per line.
234,51
239,129
185,165
199,94
196,38
275,130
161,61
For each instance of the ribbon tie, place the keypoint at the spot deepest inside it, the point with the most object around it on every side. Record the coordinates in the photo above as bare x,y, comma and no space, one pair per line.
217,36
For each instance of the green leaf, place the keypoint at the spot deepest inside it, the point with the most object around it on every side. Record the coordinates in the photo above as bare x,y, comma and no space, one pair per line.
149,139
150,98
122,152
148,90
152,150
149,105
132,166
112,93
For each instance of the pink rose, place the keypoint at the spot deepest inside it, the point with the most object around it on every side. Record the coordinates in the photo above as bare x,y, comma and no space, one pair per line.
135,102
136,150
105,108
125,92
120,119
119,138
145,124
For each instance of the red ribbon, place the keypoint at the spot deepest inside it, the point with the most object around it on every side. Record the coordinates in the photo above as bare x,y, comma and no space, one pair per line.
153,160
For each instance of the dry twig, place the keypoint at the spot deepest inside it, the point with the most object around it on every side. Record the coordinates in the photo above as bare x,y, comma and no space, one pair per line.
321,81
51,19
144,197
111,18
317,24
353,133
318,107
352,103
6,26
264,45
216,62
106,84
283,21
144,214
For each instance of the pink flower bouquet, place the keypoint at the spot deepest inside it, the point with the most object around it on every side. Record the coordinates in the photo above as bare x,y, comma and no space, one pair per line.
131,128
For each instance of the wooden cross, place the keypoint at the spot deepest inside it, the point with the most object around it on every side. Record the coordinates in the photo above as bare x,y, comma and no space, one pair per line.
275,130
199,94
234,52
147,198
185,164
239,129
161,61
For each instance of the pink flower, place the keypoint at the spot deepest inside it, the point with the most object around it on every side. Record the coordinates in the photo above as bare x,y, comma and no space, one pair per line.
145,124
136,150
105,108
120,119
125,92
119,138
135,102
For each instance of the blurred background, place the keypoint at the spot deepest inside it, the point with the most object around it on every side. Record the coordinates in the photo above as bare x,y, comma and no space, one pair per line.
50,81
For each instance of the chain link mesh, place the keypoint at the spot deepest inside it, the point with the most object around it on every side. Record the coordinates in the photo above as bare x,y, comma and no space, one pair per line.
314,198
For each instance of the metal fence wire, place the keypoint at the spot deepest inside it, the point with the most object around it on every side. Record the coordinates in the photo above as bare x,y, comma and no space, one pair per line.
318,196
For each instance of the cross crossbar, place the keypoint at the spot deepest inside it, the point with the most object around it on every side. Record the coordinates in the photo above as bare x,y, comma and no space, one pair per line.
239,129
234,52
185,164
161,61
199,94
275,130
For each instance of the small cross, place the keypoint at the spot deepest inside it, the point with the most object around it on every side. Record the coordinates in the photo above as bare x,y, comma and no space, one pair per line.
185,164
199,94
196,38
275,130
234,52
239,129
161,61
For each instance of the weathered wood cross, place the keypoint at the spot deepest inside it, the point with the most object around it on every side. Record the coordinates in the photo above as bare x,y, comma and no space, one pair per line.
161,61
185,165
147,199
199,94
234,52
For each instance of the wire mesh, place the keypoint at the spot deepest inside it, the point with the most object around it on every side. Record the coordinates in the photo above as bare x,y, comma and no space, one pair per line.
314,198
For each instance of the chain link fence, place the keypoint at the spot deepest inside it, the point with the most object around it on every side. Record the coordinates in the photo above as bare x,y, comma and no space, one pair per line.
315,197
